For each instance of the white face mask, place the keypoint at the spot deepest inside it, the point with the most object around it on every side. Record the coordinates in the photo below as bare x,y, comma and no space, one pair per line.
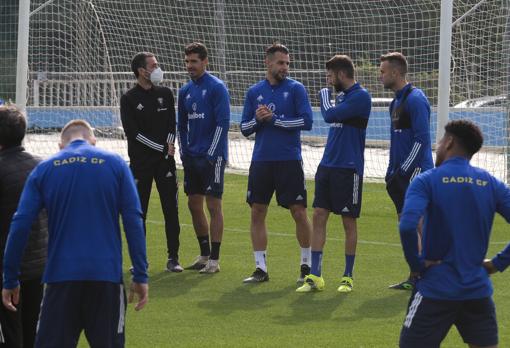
156,76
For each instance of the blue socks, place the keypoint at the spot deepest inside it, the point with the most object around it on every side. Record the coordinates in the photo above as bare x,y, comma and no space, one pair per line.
349,265
316,263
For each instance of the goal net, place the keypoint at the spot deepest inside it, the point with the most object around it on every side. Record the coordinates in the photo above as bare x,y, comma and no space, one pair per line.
80,53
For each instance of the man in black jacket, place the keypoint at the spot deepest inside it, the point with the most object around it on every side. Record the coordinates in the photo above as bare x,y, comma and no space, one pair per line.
148,117
18,328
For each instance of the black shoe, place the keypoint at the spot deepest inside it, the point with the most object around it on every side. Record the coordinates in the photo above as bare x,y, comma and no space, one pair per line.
408,284
258,276
305,270
173,266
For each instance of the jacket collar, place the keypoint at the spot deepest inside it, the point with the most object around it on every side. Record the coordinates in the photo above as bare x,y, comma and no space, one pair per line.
13,149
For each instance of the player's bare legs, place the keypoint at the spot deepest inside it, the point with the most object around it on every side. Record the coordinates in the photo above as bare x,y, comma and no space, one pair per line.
351,234
304,235
258,233
196,208
201,227
303,228
318,240
320,220
214,206
258,226
410,282
216,230
351,240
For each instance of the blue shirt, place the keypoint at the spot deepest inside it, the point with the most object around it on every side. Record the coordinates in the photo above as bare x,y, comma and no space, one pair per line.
204,118
459,202
84,189
348,120
279,139
410,148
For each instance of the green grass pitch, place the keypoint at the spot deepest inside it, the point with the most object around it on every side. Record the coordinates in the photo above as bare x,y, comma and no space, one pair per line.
194,310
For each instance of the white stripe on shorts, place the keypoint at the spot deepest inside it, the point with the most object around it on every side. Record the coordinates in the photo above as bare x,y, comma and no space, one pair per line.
355,189
2,338
304,178
217,171
412,309
40,308
122,310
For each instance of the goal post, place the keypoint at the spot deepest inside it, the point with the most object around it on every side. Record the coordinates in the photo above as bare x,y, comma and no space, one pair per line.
445,54
22,56
78,59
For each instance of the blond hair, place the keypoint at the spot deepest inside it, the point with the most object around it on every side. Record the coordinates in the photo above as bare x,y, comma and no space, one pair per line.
76,129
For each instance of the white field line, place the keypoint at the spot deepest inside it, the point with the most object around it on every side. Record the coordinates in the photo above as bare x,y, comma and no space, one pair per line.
279,234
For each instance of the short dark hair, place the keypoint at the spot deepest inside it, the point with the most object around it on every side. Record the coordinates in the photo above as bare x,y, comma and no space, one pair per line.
343,63
397,59
140,61
276,47
13,126
198,48
468,134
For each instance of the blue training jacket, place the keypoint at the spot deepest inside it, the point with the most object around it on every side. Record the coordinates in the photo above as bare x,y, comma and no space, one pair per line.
459,202
348,120
410,148
84,189
204,118
279,139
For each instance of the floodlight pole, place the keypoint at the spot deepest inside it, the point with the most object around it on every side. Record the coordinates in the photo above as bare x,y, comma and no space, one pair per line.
22,57
445,54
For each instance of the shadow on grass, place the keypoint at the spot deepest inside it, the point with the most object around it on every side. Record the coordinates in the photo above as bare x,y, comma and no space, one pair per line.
394,304
310,307
169,284
246,297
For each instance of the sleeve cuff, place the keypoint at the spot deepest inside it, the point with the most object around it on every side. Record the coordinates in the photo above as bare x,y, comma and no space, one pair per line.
141,279
10,284
498,264
419,267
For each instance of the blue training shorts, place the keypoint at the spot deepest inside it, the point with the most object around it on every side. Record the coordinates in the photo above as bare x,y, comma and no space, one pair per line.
203,177
98,308
397,185
428,321
338,190
285,177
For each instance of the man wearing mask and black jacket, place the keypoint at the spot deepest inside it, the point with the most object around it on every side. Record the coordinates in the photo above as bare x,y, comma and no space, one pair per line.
148,117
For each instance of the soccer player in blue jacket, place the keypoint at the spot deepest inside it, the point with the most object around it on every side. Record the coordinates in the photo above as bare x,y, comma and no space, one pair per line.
339,177
203,123
410,148
458,202
277,109
84,190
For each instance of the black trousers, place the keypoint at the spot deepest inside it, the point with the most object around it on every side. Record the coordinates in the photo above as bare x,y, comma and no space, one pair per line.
164,174
18,329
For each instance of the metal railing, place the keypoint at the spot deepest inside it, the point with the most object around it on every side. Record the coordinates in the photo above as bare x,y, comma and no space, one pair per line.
87,88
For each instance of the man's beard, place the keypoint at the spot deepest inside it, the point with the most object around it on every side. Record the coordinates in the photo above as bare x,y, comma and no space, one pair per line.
339,87
279,76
